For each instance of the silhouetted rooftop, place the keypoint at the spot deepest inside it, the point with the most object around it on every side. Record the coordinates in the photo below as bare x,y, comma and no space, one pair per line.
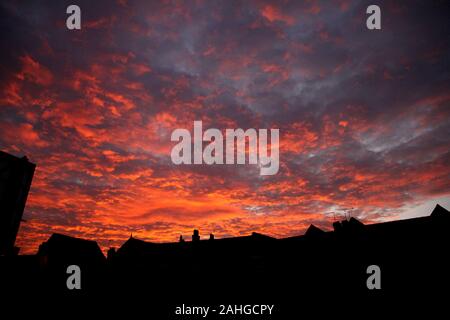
63,245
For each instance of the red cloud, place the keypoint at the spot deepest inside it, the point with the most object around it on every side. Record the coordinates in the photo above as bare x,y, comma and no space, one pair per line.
34,72
273,14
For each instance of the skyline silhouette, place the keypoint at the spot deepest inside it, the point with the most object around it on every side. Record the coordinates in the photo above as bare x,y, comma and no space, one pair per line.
328,267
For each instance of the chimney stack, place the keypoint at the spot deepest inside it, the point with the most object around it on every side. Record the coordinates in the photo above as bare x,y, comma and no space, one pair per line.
195,236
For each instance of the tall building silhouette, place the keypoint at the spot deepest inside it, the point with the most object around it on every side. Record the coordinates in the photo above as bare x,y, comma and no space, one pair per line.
15,181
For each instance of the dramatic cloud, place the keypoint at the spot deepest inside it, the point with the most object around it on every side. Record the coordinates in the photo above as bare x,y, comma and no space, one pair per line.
364,116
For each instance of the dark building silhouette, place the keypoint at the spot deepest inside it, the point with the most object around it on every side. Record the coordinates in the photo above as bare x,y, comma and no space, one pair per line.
313,231
111,253
61,251
15,181
61,247
196,236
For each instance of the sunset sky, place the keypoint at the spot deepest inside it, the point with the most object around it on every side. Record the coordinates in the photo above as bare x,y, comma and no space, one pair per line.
364,116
